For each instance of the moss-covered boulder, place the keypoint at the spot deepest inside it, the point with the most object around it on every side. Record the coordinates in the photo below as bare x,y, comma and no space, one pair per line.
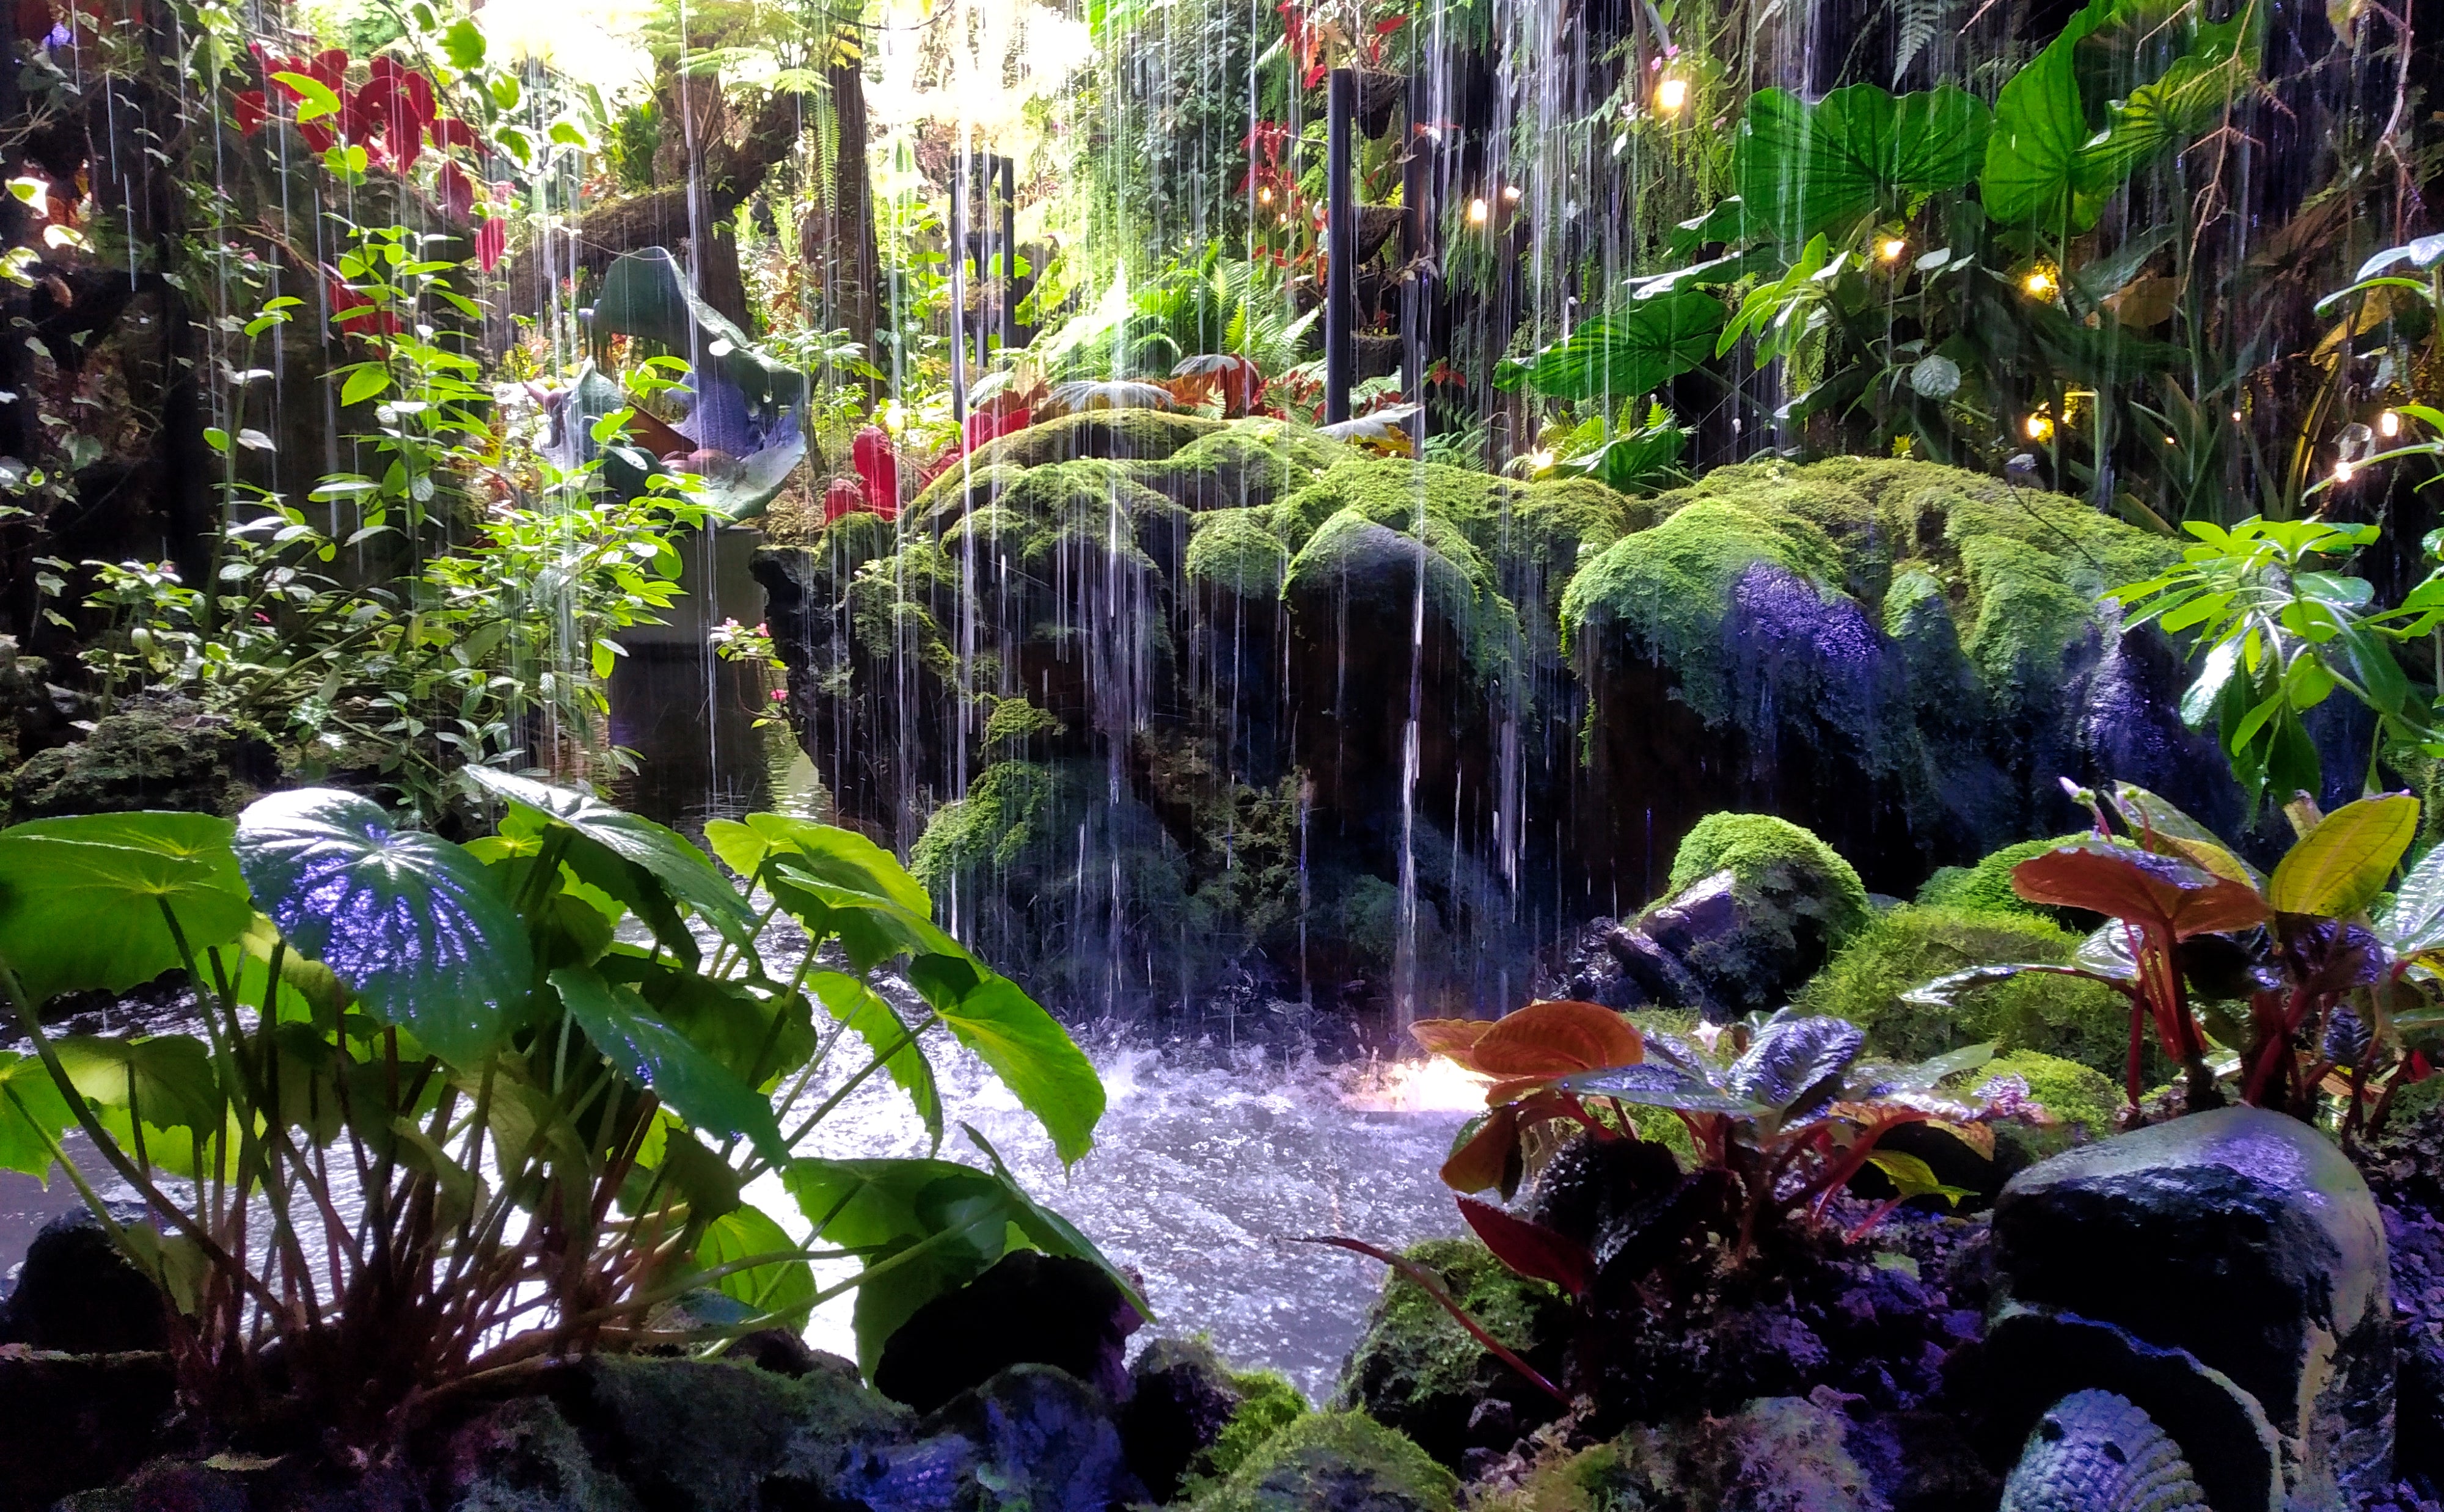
2079,1103
1334,1462
147,756
1986,888
1900,655
1417,1370
1906,948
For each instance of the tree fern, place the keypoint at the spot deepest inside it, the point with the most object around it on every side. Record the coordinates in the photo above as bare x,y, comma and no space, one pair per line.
1914,25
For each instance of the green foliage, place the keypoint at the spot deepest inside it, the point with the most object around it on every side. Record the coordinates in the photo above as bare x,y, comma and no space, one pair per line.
1753,847
2276,637
1268,1404
1867,983
552,1112
1624,354
2080,1100
1858,154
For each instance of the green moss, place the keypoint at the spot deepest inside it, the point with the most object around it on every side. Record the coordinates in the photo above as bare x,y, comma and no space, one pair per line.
2080,1100
1016,719
1248,463
1334,1461
1121,434
1597,1479
1907,947
1237,551
1268,1404
1417,1370
1986,888
1352,555
1754,847
992,827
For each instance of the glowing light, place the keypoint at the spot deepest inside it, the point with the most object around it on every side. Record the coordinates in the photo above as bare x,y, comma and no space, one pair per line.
2039,283
1479,211
2343,471
1671,93
2040,427
1265,195
1892,248
1416,1086
1540,460
2388,425
2236,416
1510,193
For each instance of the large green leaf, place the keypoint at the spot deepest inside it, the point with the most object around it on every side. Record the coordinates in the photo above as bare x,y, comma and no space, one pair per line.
2338,868
958,1219
865,1014
2047,161
1639,347
1025,1047
825,851
165,1079
1860,152
870,927
690,1082
784,1289
81,900
415,926
33,1116
605,841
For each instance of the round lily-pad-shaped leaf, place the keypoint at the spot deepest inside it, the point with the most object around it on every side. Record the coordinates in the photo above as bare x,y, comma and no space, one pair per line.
86,902
1633,350
415,926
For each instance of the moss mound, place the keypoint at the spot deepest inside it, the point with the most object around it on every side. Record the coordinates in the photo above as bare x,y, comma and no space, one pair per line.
1118,435
1986,888
1334,1460
1907,947
1772,854
1268,1404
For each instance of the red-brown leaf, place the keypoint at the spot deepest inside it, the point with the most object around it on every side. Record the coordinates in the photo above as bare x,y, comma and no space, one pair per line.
2155,892
1455,1038
1483,1163
1555,1039
1531,1249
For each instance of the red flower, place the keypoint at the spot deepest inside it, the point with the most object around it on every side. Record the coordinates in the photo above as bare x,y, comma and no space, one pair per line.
877,468
843,497
457,133
455,190
492,242
249,107
993,422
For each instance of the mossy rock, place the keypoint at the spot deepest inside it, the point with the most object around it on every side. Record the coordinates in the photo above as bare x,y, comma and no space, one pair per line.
1268,1404
704,1435
1906,946
1359,566
2082,1101
1238,552
1123,436
1248,464
149,756
1417,1370
1774,856
1986,888
1334,1462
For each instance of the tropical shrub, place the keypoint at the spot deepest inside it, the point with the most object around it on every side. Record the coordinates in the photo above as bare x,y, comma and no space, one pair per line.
2295,986
448,1113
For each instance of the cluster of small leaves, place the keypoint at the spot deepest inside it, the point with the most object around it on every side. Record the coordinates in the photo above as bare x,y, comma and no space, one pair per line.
452,1112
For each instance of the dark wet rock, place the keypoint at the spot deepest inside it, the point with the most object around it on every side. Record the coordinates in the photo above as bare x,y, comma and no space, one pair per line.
523,1456
72,1423
2245,1240
779,1350
1334,1462
1416,1370
1030,1308
165,756
1776,1453
1032,1437
76,1293
2405,1168
168,1486
1181,1397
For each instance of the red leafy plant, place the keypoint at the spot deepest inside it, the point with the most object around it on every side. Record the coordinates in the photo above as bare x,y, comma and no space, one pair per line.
2282,987
1780,1122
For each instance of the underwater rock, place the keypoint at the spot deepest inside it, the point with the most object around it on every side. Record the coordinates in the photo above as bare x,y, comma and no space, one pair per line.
2245,1239
77,1294
1181,1398
1334,1462
1030,1308
165,755
1415,1369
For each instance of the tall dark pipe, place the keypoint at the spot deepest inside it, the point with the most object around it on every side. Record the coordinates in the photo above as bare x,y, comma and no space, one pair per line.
1340,249
1008,253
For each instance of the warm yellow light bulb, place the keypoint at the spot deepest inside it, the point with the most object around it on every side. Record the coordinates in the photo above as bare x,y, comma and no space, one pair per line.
2040,285
1892,248
1540,460
1263,196
1671,93
1510,193
2343,471
2041,426
2388,425
1479,211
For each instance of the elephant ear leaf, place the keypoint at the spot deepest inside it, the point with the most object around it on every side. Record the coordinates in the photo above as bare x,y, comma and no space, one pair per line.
1633,350
689,1081
1025,1047
1858,153
87,902
414,926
